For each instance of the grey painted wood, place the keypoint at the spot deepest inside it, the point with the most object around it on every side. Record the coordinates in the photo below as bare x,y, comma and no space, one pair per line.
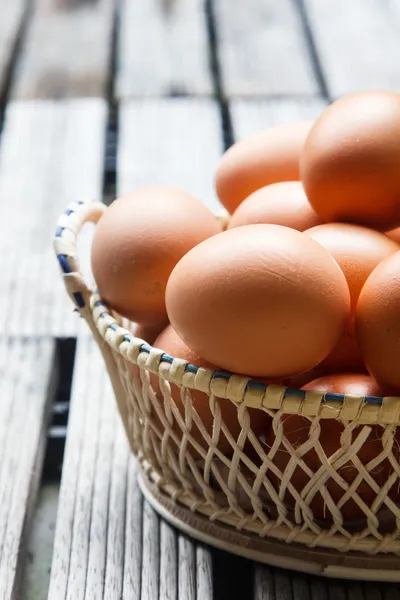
301,587
187,569
283,585
357,43
170,142
162,48
168,570
109,543
250,116
264,586
66,52
12,14
262,49
204,573
51,153
25,391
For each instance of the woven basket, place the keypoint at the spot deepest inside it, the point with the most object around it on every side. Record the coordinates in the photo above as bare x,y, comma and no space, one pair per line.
246,500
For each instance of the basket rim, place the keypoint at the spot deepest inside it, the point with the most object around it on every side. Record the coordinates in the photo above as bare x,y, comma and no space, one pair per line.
101,311
139,352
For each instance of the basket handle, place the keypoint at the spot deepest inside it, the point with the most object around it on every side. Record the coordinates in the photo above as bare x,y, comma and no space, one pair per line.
68,227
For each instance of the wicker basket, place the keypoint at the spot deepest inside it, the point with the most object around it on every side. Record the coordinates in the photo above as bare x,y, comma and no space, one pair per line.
243,500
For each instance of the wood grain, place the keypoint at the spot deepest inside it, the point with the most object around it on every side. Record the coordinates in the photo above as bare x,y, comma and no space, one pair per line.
250,116
12,14
66,53
109,543
204,573
262,49
264,587
170,142
25,391
162,49
357,43
51,154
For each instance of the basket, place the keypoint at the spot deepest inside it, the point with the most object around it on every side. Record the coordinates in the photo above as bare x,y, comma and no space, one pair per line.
279,499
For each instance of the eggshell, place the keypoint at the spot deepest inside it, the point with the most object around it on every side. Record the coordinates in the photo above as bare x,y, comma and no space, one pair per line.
394,234
170,343
282,203
261,300
349,163
138,241
378,322
297,431
357,250
267,157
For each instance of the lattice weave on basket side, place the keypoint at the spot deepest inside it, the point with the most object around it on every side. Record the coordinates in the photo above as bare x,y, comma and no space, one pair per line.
320,470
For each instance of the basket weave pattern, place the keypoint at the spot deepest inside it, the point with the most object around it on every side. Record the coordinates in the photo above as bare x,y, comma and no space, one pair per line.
247,488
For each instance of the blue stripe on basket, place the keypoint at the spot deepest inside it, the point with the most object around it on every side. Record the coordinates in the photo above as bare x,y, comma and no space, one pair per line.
59,231
114,326
98,303
373,400
191,368
145,348
80,202
80,302
290,392
221,375
167,358
256,385
63,260
68,212
127,338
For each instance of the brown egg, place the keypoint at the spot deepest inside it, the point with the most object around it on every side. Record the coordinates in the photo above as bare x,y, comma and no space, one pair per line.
282,203
264,158
358,250
261,300
297,431
378,322
349,163
171,344
138,241
148,333
394,234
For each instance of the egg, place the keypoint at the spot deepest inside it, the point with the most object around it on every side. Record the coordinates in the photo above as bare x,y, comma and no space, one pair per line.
138,241
357,250
297,431
171,344
378,323
260,300
394,234
349,163
282,203
266,157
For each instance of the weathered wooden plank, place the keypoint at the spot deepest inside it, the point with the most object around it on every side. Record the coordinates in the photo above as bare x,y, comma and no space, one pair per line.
204,573
51,154
250,116
283,585
25,391
162,49
264,587
357,43
12,14
66,52
109,543
171,142
262,49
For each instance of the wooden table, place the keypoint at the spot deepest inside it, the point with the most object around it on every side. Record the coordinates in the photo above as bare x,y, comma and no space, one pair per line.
97,97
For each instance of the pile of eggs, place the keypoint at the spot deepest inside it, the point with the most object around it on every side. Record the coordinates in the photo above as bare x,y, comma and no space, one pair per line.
303,286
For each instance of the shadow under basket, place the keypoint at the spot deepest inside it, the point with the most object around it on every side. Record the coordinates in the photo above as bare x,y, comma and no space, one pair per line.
301,480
